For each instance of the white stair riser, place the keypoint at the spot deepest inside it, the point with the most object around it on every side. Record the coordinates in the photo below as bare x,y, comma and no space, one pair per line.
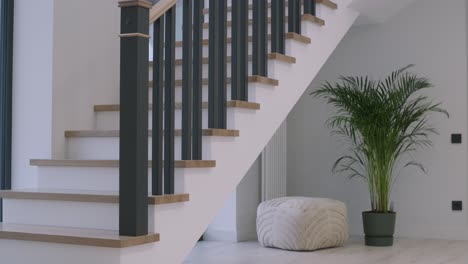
108,148
178,93
111,120
319,12
72,214
206,31
229,14
94,179
13,251
206,50
178,71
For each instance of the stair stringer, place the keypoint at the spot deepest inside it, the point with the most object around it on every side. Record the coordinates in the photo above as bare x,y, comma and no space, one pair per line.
181,229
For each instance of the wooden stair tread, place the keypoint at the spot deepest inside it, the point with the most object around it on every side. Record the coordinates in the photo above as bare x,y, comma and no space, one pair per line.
326,3
178,132
229,104
115,163
271,56
85,196
288,35
313,19
251,79
72,236
317,20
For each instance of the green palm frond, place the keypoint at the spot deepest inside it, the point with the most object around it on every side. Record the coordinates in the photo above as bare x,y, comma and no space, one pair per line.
385,122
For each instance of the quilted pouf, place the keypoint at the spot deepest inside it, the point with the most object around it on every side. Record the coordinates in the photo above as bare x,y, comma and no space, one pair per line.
301,223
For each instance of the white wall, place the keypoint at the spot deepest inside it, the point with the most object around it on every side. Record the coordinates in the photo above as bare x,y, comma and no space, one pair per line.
86,64
433,35
64,63
32,87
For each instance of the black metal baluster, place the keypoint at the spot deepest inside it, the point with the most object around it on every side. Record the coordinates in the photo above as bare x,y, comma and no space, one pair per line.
259,35
309,7
294,16
277,26
236,50
197,79
244,56
222,57
217,64
158,86
133,169
213,69
169,101
6,86
187,81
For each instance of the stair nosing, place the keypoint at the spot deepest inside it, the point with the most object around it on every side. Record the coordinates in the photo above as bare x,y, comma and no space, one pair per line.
178,105
303,39
115,133
180,164
89,197
271,56
73,236
251,79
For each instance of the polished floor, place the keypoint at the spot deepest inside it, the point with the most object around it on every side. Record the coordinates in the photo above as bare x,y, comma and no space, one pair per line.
405,251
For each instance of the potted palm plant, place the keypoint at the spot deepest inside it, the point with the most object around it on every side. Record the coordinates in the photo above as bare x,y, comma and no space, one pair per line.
384,122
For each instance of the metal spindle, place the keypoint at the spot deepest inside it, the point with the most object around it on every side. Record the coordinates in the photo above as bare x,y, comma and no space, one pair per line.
239,64
294,16
197,79
169,101
217,64
244,57
259,35
157,119
309,7
187,81
6,83
277,26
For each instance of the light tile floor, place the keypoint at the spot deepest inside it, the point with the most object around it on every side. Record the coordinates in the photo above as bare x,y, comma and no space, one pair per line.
405,251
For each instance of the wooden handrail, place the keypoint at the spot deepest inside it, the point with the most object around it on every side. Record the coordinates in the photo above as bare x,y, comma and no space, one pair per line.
160,8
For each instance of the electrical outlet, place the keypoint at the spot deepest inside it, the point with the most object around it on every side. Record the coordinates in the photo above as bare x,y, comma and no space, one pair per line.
457,205
456,139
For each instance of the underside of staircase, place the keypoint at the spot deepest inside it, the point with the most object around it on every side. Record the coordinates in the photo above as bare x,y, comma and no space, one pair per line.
72,214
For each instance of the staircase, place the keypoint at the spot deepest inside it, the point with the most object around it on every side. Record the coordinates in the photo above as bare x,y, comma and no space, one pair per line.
106,203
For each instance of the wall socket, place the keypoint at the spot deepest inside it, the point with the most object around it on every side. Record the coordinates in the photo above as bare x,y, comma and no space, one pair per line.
457,205
456,138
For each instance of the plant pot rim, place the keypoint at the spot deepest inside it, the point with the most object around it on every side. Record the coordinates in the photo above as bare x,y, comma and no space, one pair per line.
379,213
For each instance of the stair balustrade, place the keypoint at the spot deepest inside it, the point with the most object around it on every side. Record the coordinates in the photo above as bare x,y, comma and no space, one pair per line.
134,92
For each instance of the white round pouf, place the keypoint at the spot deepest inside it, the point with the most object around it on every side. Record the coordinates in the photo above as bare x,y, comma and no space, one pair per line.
301,223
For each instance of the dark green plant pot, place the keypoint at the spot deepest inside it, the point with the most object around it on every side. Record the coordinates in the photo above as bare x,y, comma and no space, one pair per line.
379,228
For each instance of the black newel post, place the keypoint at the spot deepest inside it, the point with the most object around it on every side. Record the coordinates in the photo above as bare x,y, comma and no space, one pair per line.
6,83
133,172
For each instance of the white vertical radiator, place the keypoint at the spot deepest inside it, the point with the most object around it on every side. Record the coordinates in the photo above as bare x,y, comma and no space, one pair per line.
274,166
